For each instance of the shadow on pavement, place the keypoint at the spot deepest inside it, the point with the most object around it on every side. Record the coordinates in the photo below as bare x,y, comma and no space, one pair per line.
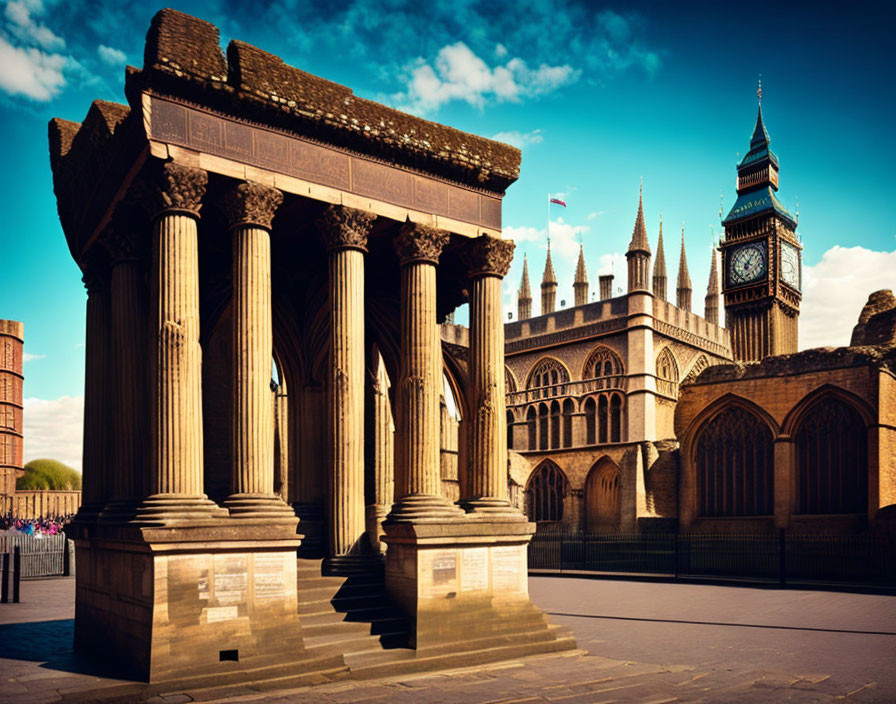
50,643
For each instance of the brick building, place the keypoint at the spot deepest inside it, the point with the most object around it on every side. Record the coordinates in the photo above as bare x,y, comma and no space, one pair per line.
12,336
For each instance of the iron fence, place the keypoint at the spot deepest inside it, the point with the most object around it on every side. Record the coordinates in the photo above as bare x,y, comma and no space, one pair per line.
41,556
780,557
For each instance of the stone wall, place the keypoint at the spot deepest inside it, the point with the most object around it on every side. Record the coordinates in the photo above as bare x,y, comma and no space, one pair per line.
34,504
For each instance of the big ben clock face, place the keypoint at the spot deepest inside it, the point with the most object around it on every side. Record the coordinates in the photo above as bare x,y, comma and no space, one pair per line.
790,265
747,263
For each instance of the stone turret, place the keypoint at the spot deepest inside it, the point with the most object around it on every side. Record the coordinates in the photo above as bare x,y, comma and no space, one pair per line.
580,285
524,297
711,302
606,286
684,278
548,285
659,267
638,254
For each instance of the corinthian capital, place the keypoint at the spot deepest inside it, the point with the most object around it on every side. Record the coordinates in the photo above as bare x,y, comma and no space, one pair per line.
251,203
420,243
341,227
488,256
173,187
125,237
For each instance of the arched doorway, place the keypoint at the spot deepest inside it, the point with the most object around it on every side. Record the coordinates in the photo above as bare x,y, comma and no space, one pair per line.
603,497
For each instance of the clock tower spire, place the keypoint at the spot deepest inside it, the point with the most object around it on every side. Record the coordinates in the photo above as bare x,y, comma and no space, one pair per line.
761,257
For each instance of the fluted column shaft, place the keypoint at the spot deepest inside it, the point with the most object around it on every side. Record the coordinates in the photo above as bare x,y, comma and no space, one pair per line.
417,477
344,233
383,456
485,479
249,209
177,419
95,450
176,451
126,343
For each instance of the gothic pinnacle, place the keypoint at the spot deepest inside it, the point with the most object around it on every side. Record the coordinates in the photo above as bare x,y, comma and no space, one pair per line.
639,234
659,266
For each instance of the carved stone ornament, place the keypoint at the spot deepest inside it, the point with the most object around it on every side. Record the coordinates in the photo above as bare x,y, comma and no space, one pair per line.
95,268
251,203
341,227
416,242
488,256
122,241
173,187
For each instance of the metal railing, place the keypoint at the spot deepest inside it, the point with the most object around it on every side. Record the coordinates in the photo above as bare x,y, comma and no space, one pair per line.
44,556
779,557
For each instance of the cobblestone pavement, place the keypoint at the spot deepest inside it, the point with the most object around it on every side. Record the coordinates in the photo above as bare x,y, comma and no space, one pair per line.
646,642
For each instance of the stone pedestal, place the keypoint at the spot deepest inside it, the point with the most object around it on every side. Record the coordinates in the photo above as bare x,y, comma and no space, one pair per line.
214,603
464,585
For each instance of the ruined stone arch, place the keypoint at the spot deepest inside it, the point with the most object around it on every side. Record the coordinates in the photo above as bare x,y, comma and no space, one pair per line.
545,490
603,497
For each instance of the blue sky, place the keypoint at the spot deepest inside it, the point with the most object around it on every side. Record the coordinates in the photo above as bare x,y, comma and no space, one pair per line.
597,96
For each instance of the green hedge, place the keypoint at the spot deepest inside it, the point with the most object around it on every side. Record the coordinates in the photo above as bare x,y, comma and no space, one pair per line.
48,474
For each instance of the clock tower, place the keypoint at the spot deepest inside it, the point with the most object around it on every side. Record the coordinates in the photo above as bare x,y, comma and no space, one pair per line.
761,258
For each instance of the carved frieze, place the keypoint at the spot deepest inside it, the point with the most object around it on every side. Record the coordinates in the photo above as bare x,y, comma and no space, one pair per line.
488,256
420,243
252,204
341,227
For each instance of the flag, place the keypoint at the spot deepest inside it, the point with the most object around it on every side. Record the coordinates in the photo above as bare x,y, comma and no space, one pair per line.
558,202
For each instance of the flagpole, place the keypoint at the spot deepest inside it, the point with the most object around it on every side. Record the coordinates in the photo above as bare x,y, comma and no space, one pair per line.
549,221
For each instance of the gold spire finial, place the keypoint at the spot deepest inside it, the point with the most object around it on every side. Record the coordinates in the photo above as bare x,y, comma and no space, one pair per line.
759,90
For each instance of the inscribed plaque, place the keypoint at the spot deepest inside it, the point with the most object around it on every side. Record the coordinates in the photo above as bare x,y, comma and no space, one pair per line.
444,567
506,569
221,613
231,579
269,577
474,569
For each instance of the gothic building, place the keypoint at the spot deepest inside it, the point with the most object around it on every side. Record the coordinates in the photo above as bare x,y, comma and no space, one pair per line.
633,411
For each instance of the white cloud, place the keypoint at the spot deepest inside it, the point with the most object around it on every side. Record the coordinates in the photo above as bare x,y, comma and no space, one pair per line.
500,51
519,139
595,214
30,72
23,26
459,74
835,289
27,357
111,56
53,429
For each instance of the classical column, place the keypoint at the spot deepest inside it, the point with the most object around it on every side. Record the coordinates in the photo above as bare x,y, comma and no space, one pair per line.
96,417
344,233
249,209
417,476
127,341
484,480
175,429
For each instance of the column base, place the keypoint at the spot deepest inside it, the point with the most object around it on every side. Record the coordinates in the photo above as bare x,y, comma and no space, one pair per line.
88,513
172,508
416,508
376,514
464,586
267,506
352,565
493,509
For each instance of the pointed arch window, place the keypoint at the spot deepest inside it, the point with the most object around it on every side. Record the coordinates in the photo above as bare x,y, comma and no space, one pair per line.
615,418
568,411
544,494
832,460
531,426
667,373
548,378
604,367
555,425
735,463
603,419
590,421
543,427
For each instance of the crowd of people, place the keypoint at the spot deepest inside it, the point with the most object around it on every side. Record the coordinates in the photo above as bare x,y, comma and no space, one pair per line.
44,525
